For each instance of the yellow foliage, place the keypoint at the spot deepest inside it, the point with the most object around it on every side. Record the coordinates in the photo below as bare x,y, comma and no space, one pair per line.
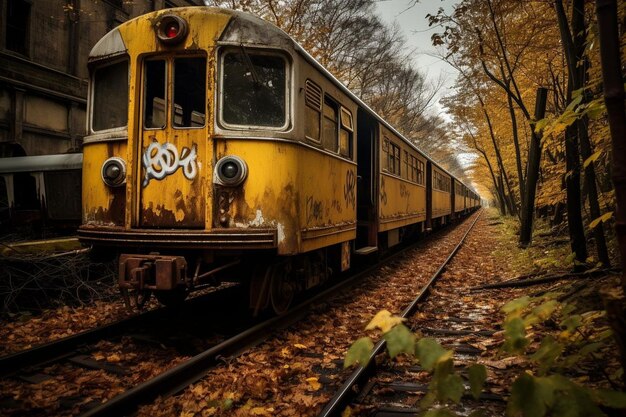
384,321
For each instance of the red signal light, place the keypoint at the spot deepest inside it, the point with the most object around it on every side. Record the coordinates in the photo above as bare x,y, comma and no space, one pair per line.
171,30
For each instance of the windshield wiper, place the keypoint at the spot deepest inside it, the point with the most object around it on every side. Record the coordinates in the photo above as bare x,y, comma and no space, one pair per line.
246,57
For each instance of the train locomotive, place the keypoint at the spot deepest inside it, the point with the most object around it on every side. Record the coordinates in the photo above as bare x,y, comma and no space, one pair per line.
216,143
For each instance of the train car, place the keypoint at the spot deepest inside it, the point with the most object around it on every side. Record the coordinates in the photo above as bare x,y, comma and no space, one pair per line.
440,191
459,199
216,142
402,188
40,193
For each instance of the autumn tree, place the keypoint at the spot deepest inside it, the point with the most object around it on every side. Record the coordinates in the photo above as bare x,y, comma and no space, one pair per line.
504,51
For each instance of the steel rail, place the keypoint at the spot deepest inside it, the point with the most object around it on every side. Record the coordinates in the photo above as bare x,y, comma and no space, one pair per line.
176,379
342,397
58,349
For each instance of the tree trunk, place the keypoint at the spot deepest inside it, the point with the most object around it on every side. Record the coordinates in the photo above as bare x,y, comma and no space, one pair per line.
572,181
574,46
572,156
518,157
579,31
614,99
613,81
532,172
509,198
501,193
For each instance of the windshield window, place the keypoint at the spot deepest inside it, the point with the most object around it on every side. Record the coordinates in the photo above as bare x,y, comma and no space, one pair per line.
189,92
253,89
110,96
154,94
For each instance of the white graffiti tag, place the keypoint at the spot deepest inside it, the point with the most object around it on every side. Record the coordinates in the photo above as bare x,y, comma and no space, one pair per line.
160,161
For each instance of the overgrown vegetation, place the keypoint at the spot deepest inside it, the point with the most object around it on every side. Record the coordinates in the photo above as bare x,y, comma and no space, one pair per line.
563,338
32,282
558,335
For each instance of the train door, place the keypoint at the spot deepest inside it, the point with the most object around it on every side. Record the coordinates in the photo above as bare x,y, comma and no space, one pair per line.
367,183
174,160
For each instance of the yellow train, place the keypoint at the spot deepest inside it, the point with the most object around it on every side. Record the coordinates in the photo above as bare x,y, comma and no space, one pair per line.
216,142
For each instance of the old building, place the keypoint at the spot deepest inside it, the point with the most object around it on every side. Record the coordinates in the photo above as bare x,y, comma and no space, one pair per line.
44,47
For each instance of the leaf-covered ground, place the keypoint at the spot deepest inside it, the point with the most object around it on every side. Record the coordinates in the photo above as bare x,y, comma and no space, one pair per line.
296,370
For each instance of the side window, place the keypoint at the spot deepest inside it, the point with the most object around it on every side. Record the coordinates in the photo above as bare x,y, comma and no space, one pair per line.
346,133
154,94
405,173
330,125
420,172
110,89
438,181
394,159
414,162
312,110
386,154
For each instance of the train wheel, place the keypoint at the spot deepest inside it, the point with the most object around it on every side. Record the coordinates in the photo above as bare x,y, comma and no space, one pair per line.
282,287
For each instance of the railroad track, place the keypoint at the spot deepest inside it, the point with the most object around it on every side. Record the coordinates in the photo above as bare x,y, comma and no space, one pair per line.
67,347
178,377
358,385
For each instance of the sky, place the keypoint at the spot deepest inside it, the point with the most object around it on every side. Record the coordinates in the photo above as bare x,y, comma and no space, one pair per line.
411,17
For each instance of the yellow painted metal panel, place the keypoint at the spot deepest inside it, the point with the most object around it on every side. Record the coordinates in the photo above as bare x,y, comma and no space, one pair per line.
401,203
139,35
441,203
306,195
102,205
269,196
328,199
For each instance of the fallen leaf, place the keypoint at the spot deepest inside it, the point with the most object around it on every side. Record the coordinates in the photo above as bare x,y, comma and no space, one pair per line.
384,321
313,383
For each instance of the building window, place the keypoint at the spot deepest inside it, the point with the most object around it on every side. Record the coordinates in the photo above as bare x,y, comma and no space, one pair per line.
17,27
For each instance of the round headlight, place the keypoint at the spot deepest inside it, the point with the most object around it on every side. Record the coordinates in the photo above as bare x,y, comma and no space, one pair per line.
114,172
171,29
230,171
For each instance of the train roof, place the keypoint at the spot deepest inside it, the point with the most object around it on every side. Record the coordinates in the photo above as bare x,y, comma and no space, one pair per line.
41,163
246,28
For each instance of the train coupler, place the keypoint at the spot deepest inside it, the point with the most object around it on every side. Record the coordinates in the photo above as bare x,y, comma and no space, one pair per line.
151,272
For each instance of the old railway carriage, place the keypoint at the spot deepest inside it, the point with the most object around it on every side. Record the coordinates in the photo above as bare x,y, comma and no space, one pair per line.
215,142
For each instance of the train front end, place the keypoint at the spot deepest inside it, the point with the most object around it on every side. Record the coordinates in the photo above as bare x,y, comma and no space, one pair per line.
161,187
